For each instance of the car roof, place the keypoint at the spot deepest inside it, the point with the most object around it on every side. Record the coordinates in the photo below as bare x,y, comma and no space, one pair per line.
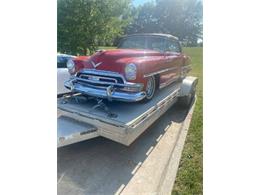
153,34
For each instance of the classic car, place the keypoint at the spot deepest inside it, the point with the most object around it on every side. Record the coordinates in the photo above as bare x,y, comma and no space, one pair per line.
141,64
62,72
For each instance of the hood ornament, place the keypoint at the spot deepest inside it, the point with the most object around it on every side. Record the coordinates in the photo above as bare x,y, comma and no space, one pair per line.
95,65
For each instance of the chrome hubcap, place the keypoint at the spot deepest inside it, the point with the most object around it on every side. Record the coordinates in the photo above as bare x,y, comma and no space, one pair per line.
150,87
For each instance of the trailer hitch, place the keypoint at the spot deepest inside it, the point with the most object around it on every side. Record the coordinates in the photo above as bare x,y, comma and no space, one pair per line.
76,96
100,104
79,98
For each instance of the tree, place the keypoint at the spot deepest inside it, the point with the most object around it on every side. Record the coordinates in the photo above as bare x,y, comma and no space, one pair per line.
182,18
144,19
84,23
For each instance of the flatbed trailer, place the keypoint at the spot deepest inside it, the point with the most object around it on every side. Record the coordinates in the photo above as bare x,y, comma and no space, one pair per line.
82,118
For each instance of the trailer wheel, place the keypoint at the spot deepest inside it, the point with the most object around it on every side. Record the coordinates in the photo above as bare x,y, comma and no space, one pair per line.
150,89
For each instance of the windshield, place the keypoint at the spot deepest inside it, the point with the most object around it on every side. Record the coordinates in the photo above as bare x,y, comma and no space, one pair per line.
143,42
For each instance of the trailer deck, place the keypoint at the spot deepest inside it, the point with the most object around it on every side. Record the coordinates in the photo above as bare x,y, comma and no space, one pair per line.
123,122
83,117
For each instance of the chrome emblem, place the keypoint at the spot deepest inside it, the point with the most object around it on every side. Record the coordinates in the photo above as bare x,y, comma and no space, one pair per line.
95,65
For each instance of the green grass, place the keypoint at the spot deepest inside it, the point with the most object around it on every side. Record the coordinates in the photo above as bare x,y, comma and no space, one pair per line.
190,175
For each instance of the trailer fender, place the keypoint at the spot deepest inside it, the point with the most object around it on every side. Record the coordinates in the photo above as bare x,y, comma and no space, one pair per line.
187,91
188,86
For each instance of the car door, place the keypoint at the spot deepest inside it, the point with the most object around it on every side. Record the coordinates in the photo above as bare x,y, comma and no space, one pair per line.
173,62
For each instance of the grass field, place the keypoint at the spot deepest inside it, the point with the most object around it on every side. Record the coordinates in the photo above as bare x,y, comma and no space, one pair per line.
190,175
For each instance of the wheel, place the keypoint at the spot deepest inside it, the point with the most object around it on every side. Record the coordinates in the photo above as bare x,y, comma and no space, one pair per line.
150,88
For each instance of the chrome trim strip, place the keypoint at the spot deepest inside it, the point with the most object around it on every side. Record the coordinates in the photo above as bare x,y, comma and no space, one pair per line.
160,71
128,84
166,84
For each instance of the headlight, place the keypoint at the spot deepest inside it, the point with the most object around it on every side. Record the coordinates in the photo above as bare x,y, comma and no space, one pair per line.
130,71
70,64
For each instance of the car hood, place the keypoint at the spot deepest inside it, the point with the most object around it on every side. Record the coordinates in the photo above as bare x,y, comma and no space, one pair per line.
116,59
123,53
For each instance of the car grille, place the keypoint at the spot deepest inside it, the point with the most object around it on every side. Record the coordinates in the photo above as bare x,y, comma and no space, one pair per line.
98,79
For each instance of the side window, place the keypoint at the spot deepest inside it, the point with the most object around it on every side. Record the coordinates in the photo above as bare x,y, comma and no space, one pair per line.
134,42
173,46
156,44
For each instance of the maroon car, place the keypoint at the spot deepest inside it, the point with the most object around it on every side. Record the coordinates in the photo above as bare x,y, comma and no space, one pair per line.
142,64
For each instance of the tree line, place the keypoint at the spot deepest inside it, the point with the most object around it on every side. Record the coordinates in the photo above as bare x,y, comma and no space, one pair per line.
83,25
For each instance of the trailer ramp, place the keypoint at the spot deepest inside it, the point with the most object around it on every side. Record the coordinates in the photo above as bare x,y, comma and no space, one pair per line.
71,131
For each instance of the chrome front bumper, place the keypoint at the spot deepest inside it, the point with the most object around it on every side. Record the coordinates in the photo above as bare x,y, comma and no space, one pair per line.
111,92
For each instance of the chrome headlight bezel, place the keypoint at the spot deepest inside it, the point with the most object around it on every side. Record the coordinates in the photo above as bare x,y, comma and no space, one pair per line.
130,71
70,64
